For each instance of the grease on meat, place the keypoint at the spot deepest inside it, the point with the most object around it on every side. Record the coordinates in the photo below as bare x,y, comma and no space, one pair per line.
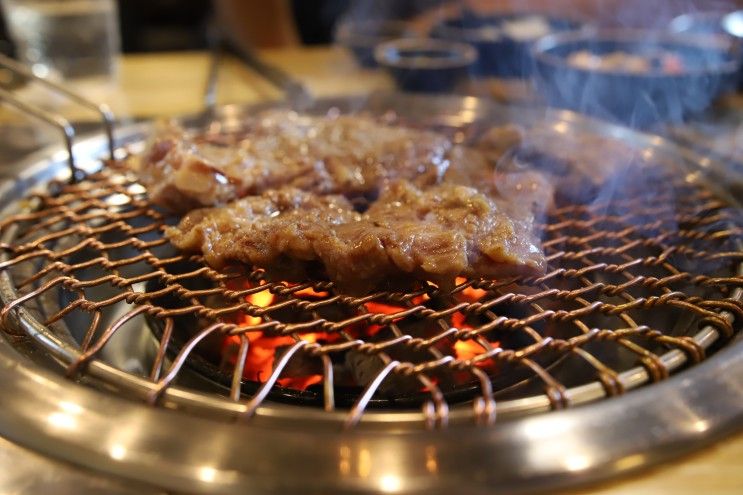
436,234
284,194
350,155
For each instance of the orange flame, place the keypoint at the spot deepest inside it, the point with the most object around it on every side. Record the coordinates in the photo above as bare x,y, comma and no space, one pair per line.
262,348
421,299
300,383
459,320
467,349
470,293
310,292
262,299
377,307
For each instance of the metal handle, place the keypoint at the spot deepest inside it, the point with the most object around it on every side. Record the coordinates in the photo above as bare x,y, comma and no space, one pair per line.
58,121
294,90
296,93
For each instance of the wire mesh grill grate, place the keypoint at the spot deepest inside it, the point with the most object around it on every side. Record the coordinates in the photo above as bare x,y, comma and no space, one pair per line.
630,280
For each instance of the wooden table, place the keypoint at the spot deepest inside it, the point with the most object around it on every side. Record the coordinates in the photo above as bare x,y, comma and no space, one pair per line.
162,85
172,84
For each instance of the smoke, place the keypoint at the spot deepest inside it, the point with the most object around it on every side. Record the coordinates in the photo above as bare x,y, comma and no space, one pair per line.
610,13
656,14
660,99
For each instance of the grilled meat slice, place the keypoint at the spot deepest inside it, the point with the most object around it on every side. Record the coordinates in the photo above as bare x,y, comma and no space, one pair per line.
349,154
279,226
435,233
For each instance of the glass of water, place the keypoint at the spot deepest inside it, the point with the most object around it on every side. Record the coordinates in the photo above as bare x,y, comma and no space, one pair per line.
66,39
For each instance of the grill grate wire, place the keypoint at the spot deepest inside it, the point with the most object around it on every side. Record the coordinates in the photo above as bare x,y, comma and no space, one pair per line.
629,281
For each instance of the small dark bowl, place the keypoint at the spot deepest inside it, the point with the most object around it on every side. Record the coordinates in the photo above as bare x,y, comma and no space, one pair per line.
637,99
426,65
500,54
362,37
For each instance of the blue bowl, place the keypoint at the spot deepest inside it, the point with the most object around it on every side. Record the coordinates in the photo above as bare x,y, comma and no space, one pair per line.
361,37
503,42
638,99
425,64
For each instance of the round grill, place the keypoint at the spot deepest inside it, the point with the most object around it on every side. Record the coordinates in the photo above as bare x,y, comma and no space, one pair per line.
638,285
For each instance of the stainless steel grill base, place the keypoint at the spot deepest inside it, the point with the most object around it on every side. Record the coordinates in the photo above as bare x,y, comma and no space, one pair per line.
294,449
196,455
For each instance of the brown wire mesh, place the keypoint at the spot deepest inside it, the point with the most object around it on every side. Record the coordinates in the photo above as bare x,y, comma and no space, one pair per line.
629,279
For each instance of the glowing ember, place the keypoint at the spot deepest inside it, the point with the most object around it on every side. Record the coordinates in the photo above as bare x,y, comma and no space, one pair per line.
420,299
377,307
303,371
458,320
261,353
300,383
388,309
467,349
464,349
310,292
262,348
261,299
470,293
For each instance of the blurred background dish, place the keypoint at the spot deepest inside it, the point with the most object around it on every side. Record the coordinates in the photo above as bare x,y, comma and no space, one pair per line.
637,78
503,41
425,64
732,24
725,26
698,23
361,37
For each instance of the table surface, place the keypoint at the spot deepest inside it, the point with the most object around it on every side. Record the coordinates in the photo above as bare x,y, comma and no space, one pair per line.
161,85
